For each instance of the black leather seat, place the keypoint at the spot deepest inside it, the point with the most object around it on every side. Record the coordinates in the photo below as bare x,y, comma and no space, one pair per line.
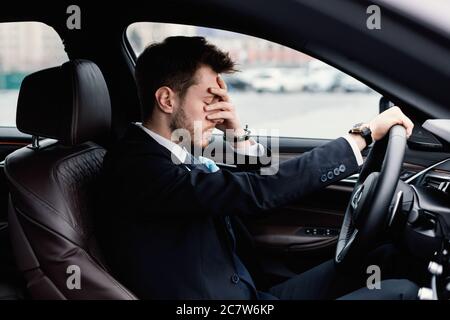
53,185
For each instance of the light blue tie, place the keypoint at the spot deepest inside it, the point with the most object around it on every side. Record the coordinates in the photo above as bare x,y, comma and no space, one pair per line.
208,163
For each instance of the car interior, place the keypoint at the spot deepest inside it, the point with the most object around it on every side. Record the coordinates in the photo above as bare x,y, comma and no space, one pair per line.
52,158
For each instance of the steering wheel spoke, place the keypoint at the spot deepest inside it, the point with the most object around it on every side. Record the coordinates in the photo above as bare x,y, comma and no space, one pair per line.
348,243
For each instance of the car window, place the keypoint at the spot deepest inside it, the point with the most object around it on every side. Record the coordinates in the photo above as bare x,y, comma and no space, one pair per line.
278,91
25,47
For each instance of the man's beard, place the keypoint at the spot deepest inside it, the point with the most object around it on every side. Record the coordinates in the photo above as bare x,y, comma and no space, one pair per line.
180,121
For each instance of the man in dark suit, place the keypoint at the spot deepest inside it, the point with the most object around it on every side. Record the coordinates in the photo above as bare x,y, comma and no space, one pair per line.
167,228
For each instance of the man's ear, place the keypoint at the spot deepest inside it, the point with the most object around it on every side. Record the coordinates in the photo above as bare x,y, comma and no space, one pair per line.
165,99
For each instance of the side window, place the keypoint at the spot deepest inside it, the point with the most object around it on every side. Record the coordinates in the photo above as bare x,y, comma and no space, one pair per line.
277,88
25,47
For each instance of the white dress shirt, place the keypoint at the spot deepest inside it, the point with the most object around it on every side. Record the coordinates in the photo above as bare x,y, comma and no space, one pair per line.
355,148
255,149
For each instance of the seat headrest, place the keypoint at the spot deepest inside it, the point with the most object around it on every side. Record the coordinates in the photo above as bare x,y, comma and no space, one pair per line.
69,103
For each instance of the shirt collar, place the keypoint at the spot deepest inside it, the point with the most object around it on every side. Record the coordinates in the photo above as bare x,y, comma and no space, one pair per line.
175,149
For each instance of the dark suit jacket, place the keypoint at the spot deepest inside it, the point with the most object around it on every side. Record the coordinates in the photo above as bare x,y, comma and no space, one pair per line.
159,228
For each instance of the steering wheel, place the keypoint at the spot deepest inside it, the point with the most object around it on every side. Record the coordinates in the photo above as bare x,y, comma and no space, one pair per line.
367,213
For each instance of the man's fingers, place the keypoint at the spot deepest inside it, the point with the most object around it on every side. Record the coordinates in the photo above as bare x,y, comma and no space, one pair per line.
404,120
409,125
224,106
221,83
220,115
222,93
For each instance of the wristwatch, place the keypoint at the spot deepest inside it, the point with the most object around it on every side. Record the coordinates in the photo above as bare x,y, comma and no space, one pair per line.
240,138
364,131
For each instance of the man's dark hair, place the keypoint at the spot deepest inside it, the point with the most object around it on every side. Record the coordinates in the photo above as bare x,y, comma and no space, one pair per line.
173,63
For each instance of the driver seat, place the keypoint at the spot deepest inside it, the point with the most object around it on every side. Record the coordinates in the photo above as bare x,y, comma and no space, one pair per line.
53,184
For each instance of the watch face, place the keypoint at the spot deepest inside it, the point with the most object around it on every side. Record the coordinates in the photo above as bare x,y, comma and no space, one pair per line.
366,131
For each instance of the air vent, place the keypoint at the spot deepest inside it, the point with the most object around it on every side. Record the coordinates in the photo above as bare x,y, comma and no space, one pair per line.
439,181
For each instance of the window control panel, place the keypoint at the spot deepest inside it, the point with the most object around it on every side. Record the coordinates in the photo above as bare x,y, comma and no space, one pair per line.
319,232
